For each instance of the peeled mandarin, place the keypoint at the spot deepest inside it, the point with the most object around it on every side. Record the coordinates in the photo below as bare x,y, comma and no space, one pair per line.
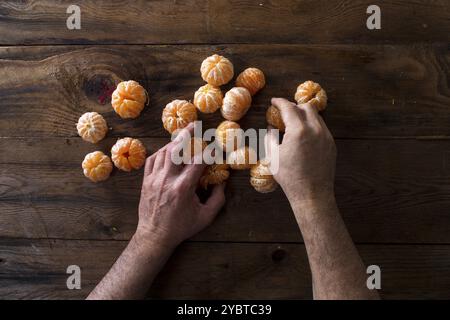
208,98
128,154
227,134
97,166
214,174
311,92
129,99
92,127
242,158
236,103
273,117
261,178
217,70
177,115
252,79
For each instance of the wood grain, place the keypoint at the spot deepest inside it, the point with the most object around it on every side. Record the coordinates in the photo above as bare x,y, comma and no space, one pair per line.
389,191
223,21
374,91
37,270
389,110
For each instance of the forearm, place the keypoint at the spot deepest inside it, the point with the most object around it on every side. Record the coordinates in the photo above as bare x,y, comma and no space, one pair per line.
132,274
337,269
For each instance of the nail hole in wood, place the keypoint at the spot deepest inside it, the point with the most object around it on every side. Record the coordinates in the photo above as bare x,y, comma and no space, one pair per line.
278,255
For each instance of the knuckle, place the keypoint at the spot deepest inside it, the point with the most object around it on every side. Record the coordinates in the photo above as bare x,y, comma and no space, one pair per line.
182,185
299,132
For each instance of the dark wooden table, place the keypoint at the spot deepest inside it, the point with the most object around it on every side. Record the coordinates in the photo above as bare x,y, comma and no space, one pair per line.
389,110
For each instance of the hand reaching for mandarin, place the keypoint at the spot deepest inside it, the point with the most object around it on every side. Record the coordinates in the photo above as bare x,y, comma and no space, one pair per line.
169,207
307,155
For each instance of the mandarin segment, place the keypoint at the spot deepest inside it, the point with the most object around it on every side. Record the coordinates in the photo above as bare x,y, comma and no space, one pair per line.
92,127
311,92
236,103
208,98
251,78
217,70
129,99
97,166
178,114
128,154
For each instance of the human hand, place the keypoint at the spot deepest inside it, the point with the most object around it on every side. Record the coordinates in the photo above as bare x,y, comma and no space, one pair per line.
307,155
169,209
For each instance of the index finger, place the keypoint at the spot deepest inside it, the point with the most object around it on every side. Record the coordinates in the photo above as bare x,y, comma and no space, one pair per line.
289,113
192,172
312,114
184,134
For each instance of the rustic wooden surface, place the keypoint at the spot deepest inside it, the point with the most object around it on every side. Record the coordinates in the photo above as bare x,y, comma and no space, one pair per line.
389,112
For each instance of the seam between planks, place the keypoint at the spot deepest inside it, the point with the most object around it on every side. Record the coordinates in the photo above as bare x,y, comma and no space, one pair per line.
229,242
390,43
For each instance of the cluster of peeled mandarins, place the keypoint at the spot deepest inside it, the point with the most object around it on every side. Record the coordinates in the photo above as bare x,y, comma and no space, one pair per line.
130,98
216,71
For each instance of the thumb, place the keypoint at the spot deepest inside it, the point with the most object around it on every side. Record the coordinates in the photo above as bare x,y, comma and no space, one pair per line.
215,201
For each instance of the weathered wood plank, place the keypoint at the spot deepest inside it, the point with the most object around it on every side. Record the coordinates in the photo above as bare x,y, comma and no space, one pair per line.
37,270
374,91
223,21
389,191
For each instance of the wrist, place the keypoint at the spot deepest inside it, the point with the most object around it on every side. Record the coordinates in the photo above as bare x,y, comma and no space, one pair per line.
315,206
147,242
304,193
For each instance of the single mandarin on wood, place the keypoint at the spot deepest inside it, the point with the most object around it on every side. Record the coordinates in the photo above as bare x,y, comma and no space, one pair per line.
97,166
261,178
128,154
273,117
177,115
227,134
208,98
311,92
214,174
242,158
251,78
92,127
236,103
129,99
217,70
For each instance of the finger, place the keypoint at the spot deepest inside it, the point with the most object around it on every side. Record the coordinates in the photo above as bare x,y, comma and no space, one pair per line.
324,127
160,159
215,201
169,164
184,134
311,113
289,113
149,163
271,141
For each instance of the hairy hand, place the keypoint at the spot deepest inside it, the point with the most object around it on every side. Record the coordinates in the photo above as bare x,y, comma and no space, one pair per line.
169,208
307,155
